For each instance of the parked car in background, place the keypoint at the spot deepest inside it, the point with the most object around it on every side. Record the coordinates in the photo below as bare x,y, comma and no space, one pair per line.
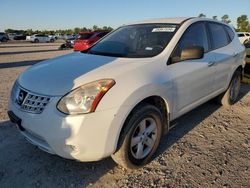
119,97
68,36
87,39
68,43
4,37
244,37
20,37
247,67
40,38
11,35
53,37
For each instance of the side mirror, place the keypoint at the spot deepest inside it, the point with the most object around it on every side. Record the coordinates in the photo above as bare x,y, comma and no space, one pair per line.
194,52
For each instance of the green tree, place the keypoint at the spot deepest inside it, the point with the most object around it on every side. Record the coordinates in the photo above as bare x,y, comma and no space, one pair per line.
95,28
243,23
201,15
225,19
77,30
107,28
215,17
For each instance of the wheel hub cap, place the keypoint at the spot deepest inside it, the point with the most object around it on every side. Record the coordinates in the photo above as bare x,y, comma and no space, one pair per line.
143,138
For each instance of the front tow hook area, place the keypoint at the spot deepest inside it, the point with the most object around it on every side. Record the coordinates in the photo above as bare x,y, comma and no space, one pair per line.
16,120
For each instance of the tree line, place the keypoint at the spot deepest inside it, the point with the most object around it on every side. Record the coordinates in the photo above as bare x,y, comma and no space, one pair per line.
76,30
243,24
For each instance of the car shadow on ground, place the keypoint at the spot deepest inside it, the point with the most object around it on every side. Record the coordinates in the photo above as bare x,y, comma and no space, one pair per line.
189,121
19,64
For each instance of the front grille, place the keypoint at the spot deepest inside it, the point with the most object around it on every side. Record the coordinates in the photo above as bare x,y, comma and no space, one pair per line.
35,103
28,101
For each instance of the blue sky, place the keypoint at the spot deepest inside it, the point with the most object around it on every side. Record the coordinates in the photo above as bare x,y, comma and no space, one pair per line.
62,14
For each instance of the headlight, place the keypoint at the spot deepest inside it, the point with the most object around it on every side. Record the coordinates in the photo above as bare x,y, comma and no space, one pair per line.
84,99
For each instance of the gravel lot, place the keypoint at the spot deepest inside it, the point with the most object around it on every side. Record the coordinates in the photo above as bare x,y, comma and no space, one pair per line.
209,147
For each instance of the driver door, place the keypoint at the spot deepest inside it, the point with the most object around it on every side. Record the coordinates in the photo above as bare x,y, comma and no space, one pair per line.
192,79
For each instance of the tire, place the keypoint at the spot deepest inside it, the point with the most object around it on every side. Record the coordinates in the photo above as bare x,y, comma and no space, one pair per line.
52,40
36,40
139,138
229,97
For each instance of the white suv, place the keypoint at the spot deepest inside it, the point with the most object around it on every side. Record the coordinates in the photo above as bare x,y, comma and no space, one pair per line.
40,38
119,97
244,37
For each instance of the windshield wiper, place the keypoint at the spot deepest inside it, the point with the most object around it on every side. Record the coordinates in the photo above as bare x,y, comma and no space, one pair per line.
106,54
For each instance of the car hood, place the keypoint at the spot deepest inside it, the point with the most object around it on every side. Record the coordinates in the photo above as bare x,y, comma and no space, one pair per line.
58,76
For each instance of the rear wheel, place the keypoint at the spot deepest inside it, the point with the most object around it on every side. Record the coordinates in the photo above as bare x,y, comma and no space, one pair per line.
231,95
140,138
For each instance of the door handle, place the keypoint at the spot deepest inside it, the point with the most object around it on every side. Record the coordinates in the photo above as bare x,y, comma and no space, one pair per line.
211,63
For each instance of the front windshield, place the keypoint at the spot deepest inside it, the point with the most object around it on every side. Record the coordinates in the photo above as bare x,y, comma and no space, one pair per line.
135,41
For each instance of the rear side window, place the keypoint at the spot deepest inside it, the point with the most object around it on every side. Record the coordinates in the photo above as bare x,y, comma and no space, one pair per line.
247,34
218,35
230,32
241,35
195,35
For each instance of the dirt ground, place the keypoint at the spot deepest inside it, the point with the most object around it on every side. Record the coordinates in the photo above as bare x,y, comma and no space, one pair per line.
209,147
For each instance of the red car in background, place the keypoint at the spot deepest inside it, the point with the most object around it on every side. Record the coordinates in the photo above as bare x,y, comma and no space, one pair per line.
86,39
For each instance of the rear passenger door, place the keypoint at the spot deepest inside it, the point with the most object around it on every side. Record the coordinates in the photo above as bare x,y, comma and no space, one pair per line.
224,55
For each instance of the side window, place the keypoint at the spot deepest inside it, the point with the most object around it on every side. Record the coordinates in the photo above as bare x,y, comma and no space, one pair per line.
241,35
218,35
230,32
195,35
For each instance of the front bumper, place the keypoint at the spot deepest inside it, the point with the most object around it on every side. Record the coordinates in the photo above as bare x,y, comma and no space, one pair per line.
88,137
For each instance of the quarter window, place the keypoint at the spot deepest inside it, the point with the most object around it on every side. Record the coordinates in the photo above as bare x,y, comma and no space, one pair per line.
195,35
218,35
230,32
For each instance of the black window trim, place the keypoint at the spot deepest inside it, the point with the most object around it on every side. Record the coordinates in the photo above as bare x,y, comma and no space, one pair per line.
209,40
226,26
209,35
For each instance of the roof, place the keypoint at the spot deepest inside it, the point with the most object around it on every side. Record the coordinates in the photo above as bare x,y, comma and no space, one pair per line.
176,20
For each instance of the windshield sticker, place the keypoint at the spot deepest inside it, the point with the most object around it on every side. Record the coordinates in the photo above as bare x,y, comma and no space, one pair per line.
164,29
149,48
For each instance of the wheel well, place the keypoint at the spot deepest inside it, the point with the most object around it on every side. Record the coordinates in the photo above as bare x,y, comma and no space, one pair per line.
156,101
159,103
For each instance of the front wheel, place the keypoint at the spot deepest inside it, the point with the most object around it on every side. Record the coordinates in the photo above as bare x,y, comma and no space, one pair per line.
231,95
140,137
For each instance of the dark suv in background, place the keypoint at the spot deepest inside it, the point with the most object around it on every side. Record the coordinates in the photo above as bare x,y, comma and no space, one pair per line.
4,37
